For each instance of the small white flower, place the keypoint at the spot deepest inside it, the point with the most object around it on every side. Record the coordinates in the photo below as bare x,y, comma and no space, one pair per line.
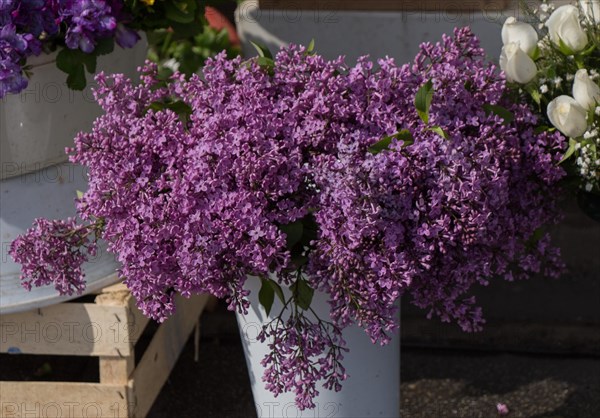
544,89
557,81
589,187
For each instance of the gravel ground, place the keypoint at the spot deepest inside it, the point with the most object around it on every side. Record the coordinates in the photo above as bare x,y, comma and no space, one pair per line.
469,384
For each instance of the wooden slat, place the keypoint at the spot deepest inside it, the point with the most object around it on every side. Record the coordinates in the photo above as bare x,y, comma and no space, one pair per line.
68,329
119,295
162,353
116,370
386,5
51,399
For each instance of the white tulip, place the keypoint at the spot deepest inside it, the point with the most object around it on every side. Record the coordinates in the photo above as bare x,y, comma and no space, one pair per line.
523,33
567,116
518,66
564,25
585,91
591,9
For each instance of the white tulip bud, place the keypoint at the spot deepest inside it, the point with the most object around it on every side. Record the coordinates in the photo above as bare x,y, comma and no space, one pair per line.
523,33
591,9
516,64
585,91
563,25
567,116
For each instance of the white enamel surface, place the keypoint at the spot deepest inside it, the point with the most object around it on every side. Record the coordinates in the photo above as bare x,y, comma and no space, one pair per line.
372,390
35,180
37,124
49,193
354,33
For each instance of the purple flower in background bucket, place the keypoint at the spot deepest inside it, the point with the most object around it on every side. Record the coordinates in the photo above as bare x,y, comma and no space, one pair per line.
126,37
88,21
11,78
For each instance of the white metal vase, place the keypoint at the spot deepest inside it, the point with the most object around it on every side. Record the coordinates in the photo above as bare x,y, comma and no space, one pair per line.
35,178
371,390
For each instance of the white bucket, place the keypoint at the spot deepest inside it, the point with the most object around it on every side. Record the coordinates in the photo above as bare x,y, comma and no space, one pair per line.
35,180
372,390
37,124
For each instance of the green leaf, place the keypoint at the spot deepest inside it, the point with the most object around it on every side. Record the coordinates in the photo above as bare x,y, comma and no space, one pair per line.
266,62
503,112
104,46
278,290
293,233
384,143
423,100
67,61
79,194
180,11
76,79
182,109
303,293
266,295
311,46
591,115
262,50
72,62
438,130
298,261
537,235
543,128
588,51
534,93
90,62
564,49
570,150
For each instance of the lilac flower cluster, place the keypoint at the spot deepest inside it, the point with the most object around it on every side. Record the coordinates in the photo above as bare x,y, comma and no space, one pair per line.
434,217
197,182
304,351
52,252
27,26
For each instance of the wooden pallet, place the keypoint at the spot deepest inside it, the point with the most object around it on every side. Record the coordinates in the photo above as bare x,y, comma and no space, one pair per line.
108,329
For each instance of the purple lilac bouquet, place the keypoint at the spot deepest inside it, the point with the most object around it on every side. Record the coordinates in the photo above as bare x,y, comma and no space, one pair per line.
364,182
81,30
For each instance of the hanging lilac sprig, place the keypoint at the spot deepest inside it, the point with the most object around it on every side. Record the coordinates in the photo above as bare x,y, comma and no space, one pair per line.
53,252
305,349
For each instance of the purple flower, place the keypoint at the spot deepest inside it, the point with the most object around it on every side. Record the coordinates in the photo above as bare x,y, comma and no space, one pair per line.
11,78
52,252
12,44
126,38
35,17
87,21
